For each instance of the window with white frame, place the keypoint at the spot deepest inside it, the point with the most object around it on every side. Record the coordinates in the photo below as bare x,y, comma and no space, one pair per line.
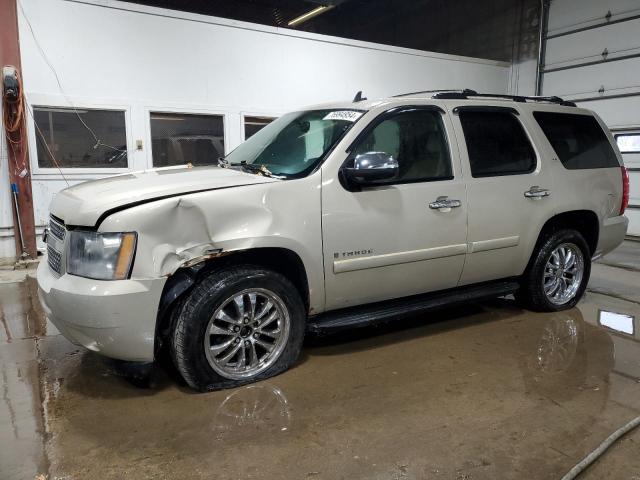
80,138
628,142
179,138
253,125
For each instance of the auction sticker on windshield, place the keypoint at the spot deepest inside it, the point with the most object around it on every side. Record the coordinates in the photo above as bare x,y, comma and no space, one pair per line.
346,115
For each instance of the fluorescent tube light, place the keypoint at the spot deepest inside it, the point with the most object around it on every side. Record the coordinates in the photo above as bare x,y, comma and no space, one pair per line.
306,16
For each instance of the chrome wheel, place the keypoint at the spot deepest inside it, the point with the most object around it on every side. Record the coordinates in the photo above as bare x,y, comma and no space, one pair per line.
563,273
247,333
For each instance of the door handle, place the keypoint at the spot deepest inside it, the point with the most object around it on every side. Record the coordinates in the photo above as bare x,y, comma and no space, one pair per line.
536,192
444,204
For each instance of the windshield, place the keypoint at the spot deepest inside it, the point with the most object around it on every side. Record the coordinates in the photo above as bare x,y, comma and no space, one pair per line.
295,143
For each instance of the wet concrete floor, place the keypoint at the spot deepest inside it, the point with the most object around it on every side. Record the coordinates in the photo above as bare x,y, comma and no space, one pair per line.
484,391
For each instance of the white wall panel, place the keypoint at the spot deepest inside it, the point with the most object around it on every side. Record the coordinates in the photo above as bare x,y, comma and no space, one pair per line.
634,221
619,39
616,77
7,245
616,112
43,191
632,160
523,77
572,14
634,190
137,53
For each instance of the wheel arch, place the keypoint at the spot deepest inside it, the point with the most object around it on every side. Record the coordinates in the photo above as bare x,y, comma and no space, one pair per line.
282,260
584,221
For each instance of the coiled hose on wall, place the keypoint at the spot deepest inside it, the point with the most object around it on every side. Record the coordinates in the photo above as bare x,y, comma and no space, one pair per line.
13,115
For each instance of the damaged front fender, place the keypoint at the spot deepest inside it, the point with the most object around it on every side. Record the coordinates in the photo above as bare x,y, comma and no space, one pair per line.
179,233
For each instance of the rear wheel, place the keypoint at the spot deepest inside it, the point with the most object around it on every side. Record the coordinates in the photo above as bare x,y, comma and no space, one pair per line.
237,326
558,273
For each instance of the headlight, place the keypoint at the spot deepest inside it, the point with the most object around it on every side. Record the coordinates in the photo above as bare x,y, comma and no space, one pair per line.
101,256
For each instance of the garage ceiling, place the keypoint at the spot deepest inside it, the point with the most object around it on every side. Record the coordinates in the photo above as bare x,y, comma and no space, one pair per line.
496,29
266,12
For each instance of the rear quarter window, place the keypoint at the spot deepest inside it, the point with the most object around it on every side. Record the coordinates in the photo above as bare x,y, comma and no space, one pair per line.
578,140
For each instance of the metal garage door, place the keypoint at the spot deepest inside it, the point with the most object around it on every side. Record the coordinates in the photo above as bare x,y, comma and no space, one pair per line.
592,56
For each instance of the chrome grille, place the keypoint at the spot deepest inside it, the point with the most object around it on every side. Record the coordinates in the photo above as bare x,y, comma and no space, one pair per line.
57,229
54,259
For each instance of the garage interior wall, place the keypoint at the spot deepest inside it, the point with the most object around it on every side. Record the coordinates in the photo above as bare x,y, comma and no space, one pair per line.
592,56
496,29
139,59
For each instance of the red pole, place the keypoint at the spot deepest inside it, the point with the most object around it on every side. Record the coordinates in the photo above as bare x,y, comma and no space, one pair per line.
17,147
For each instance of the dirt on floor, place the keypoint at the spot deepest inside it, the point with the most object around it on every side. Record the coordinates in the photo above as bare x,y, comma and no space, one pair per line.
483,391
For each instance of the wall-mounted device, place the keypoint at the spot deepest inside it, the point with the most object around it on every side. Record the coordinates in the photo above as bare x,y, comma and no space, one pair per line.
10,83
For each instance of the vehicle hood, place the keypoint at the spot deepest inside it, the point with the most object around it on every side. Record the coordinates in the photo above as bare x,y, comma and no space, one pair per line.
85,203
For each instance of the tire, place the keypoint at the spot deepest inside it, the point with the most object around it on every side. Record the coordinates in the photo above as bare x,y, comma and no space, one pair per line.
243,298
532,293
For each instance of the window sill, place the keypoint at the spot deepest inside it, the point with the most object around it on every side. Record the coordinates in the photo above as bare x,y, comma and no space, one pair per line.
76,173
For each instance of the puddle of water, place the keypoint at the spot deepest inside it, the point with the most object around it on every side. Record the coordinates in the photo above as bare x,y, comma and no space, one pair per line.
484,390
621,322
21,314
21,423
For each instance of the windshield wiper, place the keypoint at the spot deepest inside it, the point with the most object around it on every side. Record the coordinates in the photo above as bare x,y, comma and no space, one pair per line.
257,169
223,162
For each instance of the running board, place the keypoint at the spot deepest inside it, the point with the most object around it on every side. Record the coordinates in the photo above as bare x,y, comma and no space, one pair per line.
365,315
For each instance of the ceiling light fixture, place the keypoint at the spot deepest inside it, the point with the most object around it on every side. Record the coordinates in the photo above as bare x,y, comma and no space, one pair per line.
306,16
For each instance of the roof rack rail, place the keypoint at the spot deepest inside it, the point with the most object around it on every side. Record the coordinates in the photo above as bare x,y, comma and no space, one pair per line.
552,99
443,90
466,93
455,94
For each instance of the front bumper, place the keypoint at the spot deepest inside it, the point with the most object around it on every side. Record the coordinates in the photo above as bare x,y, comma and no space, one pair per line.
114,318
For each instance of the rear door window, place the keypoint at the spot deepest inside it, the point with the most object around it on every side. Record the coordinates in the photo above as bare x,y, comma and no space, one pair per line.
578,140
496,143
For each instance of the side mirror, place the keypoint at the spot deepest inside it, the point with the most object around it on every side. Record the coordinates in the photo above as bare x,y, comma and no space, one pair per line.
370,167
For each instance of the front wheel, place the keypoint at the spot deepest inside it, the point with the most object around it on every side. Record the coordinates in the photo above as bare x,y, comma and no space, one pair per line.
558,273
237,326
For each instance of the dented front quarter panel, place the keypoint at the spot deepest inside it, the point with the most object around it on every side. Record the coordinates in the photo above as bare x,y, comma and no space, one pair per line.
184,230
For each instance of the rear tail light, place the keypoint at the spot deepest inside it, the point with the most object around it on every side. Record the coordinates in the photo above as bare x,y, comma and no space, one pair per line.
625,190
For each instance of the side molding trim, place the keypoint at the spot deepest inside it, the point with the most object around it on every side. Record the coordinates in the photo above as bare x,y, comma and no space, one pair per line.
363,263
388,259
493,244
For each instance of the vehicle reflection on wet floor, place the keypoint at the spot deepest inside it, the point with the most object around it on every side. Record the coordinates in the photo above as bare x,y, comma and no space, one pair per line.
482,391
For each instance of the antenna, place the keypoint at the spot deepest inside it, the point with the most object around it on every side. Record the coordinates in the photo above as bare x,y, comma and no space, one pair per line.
359,97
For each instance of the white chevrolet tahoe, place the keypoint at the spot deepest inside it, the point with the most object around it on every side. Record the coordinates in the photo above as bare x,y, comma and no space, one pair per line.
335,216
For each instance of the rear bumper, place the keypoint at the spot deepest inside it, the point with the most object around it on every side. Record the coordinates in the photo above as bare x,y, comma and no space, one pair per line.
114,318
612,233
